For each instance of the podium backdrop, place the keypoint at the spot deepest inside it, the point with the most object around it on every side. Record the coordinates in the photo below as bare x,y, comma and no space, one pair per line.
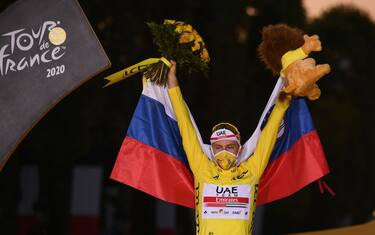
47,49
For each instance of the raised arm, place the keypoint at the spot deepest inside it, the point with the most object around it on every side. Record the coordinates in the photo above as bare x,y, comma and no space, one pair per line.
190,142
258,162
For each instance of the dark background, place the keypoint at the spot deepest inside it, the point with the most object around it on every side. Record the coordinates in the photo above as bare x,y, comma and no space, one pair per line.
88,126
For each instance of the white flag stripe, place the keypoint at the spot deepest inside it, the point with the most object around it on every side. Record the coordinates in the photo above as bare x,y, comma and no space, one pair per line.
160,94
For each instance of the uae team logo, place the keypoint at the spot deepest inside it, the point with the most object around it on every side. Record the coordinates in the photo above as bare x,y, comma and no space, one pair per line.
27,48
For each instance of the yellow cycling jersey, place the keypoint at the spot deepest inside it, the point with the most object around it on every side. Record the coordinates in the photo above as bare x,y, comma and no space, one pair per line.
225,200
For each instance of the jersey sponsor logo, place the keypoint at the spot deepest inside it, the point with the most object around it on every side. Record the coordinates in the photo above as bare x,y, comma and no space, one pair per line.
226,202
240,176
221,133
216,177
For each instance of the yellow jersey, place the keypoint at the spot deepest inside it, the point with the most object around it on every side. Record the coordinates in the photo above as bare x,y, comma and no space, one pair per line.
225,200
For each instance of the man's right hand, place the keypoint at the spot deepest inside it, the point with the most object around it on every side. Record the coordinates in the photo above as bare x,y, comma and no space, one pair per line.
171,78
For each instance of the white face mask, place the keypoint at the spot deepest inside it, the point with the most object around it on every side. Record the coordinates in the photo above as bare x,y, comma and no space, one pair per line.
225,159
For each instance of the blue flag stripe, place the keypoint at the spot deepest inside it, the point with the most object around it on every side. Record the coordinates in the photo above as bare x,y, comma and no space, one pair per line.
298,122
152,126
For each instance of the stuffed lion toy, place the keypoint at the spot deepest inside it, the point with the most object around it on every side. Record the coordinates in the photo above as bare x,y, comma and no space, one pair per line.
285,51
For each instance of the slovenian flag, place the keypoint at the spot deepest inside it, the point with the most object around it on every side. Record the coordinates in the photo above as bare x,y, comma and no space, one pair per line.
152,158
297,158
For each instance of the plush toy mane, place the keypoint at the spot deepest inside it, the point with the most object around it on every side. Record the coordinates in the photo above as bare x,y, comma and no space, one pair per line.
276,41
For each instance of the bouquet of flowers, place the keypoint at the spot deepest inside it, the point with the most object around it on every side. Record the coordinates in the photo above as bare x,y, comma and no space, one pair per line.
177,41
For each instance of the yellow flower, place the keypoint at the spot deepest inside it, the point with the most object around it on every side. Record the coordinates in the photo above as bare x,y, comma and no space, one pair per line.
198,38
169,21
188,28
186,37
204,55
179,29
184,28
196,46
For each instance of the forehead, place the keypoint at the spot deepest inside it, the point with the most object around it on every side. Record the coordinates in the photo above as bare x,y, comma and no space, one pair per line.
224,143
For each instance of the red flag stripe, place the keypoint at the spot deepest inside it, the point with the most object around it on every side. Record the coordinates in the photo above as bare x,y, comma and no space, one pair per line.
305,159
149,170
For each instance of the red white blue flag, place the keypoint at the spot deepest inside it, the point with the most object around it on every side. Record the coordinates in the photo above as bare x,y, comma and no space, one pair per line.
297,158
152,158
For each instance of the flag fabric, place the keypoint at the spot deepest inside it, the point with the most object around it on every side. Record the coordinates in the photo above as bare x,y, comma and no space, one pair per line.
297,158
152,158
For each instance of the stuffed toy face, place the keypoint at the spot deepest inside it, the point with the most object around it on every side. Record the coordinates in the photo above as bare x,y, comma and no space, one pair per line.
301,77
284,50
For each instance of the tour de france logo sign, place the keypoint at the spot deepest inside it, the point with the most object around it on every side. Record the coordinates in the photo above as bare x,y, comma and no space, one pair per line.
48,49
27,48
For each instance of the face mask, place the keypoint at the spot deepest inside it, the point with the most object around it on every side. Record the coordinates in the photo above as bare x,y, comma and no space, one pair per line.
225,160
